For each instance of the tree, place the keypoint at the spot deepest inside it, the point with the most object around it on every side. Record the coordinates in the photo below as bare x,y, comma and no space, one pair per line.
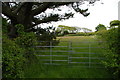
114,23
72,29
86,30
25,13
68,29
78,29
100,27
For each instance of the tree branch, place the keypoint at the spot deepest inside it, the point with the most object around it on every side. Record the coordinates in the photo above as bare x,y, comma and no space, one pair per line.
52,17
18,8
57,4
7,3
7,12
46,19
40,9
43,7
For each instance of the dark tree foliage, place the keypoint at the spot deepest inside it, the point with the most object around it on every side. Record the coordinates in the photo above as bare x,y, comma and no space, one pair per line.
47,35
25,13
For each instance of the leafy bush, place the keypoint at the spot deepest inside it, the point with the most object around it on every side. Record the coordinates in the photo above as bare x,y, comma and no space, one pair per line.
101,33
19,51
12,55
27,41
112,53
13,60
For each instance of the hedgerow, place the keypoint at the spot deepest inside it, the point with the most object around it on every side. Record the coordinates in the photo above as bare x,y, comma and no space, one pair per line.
12,59
112,54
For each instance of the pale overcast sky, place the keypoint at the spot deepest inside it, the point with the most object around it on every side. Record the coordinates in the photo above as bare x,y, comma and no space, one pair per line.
99,14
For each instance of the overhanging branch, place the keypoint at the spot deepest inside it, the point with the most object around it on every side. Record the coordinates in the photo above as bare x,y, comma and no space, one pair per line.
46,19
40,9
7,12
43,7
18,8
52,17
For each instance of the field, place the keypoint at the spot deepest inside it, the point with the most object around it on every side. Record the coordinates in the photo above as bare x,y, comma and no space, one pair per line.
84,44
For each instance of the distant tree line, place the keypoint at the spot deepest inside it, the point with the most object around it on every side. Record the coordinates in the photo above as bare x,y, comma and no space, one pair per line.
72,31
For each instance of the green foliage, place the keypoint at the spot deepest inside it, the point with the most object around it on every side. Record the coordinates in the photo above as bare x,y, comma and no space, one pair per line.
86,30
65,32
114,23
101,33
63,28
12,57
112,54
27,41
12,65
112,58
47,35
20,29
100,27
73,31
19,51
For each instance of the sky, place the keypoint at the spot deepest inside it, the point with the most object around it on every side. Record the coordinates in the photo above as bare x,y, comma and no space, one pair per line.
99,14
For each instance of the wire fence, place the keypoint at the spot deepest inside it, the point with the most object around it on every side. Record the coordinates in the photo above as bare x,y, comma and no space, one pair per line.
84,54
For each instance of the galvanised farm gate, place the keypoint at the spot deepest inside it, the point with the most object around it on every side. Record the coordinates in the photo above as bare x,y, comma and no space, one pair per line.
82,54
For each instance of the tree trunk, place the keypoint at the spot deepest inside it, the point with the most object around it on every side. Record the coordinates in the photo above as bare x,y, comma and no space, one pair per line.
24,17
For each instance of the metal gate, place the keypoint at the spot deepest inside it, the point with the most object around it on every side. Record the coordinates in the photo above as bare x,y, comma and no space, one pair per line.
84,54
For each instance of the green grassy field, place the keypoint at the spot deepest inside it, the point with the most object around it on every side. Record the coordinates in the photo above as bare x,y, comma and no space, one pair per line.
71,70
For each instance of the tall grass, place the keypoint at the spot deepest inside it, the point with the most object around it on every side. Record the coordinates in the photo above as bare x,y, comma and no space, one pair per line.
37,70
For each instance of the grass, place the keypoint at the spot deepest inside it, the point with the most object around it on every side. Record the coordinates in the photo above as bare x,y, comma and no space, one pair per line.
37,70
